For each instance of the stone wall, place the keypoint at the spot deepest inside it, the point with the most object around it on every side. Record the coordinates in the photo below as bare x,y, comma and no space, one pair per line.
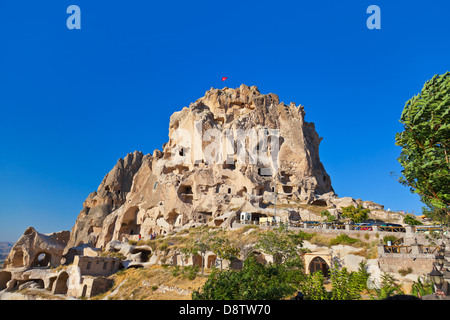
402,261
93,286
96,266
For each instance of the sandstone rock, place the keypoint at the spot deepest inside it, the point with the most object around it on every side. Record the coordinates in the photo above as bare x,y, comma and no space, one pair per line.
343,202
35,249
186,183
110,195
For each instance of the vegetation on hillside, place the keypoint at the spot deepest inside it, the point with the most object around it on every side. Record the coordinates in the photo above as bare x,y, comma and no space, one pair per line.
357,215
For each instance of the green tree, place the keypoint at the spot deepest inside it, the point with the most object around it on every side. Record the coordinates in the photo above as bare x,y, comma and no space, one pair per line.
348,285
224,249
437,214
409,219
282,244
361,276
425,143
255,281
357,215
422,288
313,287
388,287
202,244
184,252
343,285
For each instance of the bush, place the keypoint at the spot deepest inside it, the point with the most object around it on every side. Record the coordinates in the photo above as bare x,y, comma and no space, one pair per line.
326,213
406,271
388,288
345,285
254,281
190,272
389,238
409,219
163,246
357,215
343,239
176,271
313,287
420,289
110,254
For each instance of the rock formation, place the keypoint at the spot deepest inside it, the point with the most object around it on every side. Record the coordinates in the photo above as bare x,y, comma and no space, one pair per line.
109,196
232,151
187,183
35,249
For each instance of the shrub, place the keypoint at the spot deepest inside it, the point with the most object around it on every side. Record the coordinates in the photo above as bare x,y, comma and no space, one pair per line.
388,288
326,213
164,246
176,271
117,255
190,272
389,238
357,215
254,281
406,271
343,239
409,219
420,289
313,287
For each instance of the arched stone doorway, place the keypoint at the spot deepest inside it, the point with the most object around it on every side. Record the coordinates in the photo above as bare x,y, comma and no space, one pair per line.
5,277
319,264
211,261
129,222
197,260
61,283
83,293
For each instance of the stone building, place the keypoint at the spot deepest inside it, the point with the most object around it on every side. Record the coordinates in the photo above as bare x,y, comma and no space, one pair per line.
96,266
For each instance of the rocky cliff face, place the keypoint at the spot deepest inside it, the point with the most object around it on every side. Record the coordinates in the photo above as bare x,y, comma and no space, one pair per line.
110,196
228,152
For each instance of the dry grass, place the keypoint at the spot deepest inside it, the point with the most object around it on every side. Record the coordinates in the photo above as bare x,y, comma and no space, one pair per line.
40,294
143,284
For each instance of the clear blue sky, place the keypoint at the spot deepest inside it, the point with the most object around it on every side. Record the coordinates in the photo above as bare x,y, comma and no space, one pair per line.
75,101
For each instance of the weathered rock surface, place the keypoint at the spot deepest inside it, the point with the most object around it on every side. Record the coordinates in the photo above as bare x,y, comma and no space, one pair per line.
110,195
181,185
35,249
